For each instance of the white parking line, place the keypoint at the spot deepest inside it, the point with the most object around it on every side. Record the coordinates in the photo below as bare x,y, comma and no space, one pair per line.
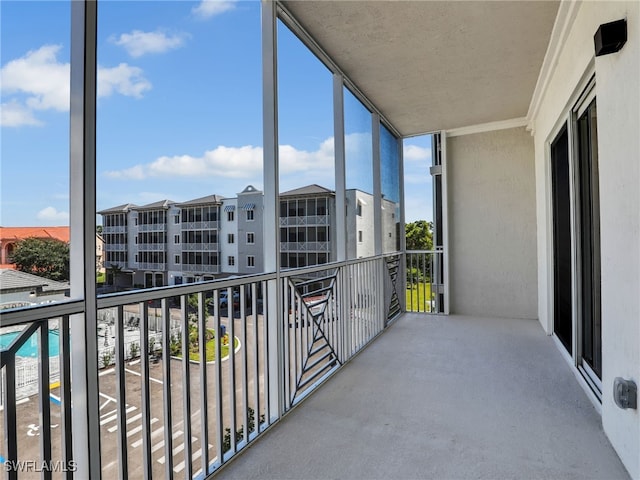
154,434
113,417
160,444
177,450
139,375
133,431
196,455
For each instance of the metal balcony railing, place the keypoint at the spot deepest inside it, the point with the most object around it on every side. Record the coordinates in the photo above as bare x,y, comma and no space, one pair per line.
200,268
305,220
256,346
424,279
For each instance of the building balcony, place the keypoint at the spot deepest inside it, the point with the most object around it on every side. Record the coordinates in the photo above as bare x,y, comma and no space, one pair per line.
151,247
114,229
152,266
378,393
152,227
311,220
200,268
115,247
305,246
204,225
200,247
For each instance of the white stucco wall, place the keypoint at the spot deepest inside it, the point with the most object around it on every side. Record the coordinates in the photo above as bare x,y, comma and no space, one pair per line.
618,103
492,237
228,249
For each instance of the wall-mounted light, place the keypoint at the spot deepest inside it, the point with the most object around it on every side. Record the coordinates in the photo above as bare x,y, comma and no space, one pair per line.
610,37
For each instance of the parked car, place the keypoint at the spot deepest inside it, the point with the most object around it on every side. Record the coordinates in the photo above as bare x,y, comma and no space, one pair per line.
224,299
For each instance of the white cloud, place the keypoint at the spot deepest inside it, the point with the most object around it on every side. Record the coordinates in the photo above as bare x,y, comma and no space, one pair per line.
210,8
231,162
139,43
39,75
416,153
38,81
50,214
14,114
123,79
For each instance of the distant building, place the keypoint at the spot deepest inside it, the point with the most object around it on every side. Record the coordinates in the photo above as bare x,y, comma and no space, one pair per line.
10,236
18,289
170,243
307,226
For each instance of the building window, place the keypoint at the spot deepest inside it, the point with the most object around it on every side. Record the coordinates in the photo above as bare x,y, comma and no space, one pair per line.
250,215
176,219
359,209
231,216
360,236
135,221
231,237
136,258
251,238
251,261
231,260
176,239
177,259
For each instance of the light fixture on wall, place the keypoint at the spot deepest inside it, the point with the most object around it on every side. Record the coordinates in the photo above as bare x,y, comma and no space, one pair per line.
610,37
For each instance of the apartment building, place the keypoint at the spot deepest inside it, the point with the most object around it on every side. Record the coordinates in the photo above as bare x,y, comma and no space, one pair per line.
170,243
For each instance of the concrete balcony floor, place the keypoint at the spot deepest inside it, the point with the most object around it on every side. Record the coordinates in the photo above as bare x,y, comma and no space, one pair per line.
445,398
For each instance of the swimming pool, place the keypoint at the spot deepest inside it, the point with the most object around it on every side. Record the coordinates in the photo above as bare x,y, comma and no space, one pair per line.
30,347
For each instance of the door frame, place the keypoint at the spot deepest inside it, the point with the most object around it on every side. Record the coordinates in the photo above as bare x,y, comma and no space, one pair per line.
579,101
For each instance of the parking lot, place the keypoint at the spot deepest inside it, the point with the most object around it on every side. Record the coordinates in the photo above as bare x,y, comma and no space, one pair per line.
245,331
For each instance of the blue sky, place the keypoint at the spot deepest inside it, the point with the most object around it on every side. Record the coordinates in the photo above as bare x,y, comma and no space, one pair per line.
179,109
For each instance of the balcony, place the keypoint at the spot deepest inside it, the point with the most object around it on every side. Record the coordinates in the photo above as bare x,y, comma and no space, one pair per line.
310,220
305,246
435,396
200,246
442,397
200,268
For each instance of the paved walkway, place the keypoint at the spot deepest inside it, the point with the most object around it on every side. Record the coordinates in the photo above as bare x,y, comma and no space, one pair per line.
442,398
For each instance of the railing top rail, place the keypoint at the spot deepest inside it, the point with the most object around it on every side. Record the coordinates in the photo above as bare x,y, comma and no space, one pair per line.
293,272
137,296
438,250
22,315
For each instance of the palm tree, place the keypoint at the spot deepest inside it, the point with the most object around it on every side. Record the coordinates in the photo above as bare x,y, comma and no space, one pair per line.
113,271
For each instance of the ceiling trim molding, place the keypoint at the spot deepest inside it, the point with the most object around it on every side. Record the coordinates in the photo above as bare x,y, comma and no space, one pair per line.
567,12
488,127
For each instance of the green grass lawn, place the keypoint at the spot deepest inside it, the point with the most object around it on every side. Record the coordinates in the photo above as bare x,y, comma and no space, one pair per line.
211,350
418,297
101,277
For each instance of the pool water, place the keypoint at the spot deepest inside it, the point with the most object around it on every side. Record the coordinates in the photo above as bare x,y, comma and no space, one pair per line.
30,347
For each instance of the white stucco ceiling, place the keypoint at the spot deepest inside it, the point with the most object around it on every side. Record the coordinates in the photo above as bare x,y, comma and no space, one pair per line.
431,65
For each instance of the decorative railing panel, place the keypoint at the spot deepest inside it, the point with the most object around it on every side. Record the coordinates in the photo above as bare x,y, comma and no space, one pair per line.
187,375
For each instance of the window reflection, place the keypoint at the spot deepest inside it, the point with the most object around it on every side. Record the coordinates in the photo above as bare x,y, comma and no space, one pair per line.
359,177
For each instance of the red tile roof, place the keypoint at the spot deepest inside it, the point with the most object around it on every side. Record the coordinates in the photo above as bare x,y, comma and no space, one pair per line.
20,233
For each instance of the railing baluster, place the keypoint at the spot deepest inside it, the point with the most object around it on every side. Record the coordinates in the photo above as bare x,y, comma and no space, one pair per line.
121,396
10,415
145,392
204,404
218,377
66,429
288,314
256,372
245,371
44,400
166,388
267,345
232,369
186,386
